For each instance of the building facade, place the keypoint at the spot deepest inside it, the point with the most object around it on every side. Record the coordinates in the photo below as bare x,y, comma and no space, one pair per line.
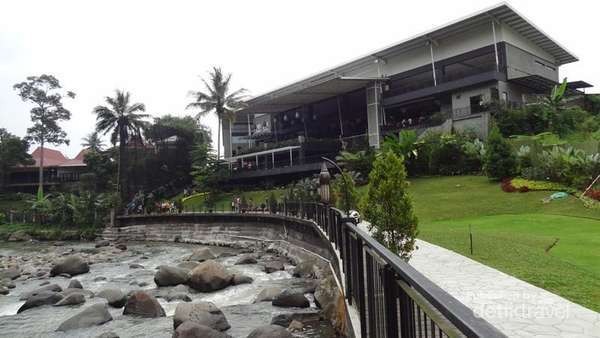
441,80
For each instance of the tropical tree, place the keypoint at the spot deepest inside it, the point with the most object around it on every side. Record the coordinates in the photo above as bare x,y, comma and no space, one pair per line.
46,94
218,99
13,151
93,142
124,120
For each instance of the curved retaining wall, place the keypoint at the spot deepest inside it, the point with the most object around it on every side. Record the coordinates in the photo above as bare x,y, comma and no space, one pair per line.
224,228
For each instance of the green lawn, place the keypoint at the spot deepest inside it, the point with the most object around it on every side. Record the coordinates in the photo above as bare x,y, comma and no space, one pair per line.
223,202
511,232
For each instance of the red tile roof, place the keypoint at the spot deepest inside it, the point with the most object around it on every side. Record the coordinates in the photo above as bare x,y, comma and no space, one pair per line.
54,158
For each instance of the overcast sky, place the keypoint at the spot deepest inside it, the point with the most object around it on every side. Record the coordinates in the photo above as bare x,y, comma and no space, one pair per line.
158,49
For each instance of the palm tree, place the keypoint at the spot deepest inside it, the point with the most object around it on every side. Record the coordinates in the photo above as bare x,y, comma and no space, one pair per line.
123,120
219,100
93,142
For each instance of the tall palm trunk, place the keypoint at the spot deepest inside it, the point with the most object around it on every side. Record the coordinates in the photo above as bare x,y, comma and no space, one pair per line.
41,170
219,140
122,186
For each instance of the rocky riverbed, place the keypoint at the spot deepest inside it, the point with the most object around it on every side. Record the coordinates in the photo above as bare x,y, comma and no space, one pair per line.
108,289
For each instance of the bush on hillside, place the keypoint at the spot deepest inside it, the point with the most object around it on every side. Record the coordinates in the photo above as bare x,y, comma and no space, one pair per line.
500,162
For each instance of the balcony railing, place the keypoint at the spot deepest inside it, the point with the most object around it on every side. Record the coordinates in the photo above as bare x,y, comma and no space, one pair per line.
53,179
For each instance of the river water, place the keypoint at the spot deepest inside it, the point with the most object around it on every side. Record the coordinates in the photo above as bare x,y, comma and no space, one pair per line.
236,302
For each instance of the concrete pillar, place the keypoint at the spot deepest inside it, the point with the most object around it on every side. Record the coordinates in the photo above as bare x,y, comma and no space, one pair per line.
374,109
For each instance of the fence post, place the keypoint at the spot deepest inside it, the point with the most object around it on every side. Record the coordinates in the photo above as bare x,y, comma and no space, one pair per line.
390,295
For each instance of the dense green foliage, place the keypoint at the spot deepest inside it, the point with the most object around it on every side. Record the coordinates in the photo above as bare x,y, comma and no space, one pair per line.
343,191
500,161
388,206
13,151
360,162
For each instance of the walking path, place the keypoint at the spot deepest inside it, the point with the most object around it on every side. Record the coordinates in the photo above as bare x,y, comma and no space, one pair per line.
515,307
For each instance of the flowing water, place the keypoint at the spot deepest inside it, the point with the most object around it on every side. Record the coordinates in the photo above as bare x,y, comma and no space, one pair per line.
234,301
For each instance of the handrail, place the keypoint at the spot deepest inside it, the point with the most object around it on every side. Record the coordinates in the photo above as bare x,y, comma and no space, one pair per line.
423,310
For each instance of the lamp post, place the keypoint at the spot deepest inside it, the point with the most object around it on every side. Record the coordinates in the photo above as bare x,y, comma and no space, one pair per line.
343,177
324,178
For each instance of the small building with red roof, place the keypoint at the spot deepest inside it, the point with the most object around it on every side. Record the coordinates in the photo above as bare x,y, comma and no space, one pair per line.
58,169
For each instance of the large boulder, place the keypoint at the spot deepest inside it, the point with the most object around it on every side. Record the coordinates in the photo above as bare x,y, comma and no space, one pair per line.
75,284
43,298
329,298
246,259
96,314
241,279
188,265
19,236
170,276
190,329
209,276
12,272
43,289
305,269
143,304
72,265
270,331
201,255
289,298
203,313
72,299
115,297
268,294
272,266
69,291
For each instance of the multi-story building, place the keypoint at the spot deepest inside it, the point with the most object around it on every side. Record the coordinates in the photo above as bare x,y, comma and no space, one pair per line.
443,79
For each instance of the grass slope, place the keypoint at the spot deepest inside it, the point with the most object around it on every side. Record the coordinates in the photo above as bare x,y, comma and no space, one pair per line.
511,232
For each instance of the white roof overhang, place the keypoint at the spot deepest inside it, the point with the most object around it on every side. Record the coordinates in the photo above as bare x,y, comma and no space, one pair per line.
307,90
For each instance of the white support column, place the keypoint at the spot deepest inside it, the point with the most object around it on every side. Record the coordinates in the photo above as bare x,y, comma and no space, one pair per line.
495,45
273,159
249,132
339,108
374,113
432,63
256,161
291,162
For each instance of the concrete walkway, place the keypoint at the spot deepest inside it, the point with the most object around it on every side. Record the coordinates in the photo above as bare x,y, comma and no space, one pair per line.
515,307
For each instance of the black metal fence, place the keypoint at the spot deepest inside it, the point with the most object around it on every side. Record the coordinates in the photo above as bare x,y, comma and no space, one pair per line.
392,298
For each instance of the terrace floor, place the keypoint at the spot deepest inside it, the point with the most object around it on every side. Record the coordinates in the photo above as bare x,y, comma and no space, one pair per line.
515,307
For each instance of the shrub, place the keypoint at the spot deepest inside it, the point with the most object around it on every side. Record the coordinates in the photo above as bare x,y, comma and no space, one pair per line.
344,189
272,202
500,162
2,218
388,206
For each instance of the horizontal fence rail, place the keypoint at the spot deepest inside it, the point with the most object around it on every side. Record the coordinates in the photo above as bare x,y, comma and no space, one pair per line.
392,298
